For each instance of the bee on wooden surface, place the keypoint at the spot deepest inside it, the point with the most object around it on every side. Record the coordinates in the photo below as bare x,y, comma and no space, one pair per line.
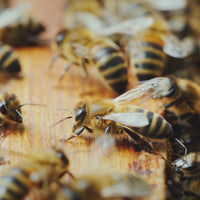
37,170
186,172
9,62
23,32
10,110
84,48
104,186
17,29
110,116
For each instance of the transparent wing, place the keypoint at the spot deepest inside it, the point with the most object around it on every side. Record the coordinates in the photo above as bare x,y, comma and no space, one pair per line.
128,27
134,119
11,14
167,5
81,50
157,87
177,48
126,185
88,20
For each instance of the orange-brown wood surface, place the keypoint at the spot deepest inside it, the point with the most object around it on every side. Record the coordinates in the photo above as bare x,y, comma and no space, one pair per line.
40,85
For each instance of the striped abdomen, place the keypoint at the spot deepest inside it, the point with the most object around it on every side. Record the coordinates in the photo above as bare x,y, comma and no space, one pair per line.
112,66
158,127
15,185
148,58
23,32
8,60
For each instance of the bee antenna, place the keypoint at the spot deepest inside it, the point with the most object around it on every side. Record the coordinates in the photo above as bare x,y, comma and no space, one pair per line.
60,121
65,140
181,145
20,114
32,104
65,110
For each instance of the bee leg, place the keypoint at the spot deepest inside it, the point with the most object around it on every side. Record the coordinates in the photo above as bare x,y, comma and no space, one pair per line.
2,129
78,132
148,147
51,64
168,105
185,115
84,61
64,71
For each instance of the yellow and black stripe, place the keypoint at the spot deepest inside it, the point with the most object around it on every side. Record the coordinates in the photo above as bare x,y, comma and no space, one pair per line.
15,185
9,62
158,127
148,58
23,32
112,66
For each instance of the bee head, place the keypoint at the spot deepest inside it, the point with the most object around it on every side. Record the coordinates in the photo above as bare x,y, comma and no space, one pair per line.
10,108
60,36
80,114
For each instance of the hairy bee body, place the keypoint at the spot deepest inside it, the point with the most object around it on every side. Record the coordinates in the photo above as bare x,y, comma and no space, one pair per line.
187,172
81,46
148,58
23,32
94,115
9,62
41,167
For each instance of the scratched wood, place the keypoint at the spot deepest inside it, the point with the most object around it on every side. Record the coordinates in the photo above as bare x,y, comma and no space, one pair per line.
40,85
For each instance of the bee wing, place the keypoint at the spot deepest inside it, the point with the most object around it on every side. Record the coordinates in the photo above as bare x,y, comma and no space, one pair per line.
168,5
128,27
80,50
11,14
134,119
89,21
126,185
177,48
156,86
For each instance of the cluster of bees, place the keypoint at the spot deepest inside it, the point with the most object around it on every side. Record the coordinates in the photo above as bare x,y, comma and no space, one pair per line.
156,41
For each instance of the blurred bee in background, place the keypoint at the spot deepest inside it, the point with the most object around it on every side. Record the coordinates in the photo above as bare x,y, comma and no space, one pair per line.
9,62
148,46
17,29
37,170
104,186
186,174
84,48
75,6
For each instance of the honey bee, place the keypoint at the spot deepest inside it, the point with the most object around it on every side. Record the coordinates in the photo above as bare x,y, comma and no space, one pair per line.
37,170
186,172
9,62
10,110
105,186
112,117
17,29
148,41
82,47
181,94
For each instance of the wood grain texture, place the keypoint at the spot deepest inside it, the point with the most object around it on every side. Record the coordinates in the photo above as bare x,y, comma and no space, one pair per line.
40,85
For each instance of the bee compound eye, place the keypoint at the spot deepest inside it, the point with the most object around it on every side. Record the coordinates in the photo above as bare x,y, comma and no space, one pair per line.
63,158
3,109
80,113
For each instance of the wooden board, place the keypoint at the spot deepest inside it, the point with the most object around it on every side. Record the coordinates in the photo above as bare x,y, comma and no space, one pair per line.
41,85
